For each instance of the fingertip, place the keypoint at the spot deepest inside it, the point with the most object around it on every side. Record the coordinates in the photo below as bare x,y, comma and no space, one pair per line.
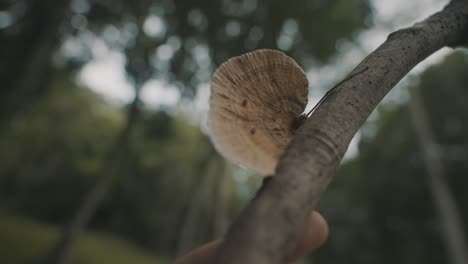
318,229
313,237
200,255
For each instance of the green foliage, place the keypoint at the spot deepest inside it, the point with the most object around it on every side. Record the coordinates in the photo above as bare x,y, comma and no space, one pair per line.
54,149
381,198
22,240
148,204
52,156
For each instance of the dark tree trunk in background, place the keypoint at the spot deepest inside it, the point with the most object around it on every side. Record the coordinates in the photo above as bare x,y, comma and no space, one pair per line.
220,221
61,253
189,213
26,56
445,205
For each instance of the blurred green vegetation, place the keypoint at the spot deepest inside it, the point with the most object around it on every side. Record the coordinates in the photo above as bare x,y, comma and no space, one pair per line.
51,156
23,240
167,189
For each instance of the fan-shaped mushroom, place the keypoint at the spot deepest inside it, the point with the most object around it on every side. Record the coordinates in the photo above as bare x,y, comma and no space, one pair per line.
256,100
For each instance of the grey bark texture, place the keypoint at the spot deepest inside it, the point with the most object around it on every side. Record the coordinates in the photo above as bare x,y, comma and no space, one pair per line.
266,231
452,231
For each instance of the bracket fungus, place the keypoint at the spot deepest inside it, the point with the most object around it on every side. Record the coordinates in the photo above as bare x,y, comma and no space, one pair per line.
256,103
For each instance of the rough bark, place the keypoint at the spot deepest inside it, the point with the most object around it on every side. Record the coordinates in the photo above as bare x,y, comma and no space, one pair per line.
266,230
445,205
61,253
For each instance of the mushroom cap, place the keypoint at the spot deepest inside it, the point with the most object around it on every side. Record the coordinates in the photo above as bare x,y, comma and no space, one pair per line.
254,101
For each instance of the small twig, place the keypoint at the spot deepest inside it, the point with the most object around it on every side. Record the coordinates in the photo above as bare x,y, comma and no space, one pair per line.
333,90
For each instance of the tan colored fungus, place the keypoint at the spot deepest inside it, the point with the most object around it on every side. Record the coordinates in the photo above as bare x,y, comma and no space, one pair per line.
255,101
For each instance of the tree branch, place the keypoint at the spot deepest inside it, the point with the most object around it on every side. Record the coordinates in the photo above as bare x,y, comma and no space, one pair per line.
266,230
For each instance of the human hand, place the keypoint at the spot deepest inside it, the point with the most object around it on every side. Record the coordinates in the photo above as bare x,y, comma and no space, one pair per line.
314,235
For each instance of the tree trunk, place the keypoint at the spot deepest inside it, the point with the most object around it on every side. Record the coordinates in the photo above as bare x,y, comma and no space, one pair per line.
61,253
450,219
267,229
220,221
27,63
191,208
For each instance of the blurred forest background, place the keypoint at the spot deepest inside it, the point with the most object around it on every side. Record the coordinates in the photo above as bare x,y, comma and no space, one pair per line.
105,158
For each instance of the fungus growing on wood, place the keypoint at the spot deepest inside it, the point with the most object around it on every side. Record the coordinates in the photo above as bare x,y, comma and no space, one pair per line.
256,100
